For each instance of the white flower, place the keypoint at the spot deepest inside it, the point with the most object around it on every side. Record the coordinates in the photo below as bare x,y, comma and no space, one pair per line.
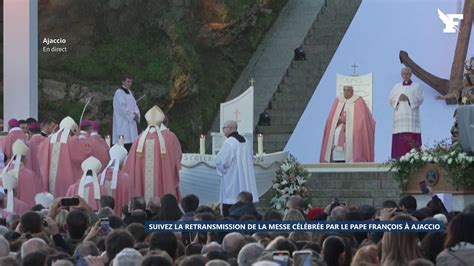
424,158
276,185
413,150
285,167
436,159
450,161
284,182
403,158
278,206
412,160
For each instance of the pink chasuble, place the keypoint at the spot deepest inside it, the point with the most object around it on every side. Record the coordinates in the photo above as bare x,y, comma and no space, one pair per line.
359,131
73,191
19,207
26,189
13,135
101,149
155,175
60,163
32,161
124,190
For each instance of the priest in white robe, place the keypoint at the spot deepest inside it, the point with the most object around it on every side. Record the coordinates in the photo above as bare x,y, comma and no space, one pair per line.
126,114
234,163
406,98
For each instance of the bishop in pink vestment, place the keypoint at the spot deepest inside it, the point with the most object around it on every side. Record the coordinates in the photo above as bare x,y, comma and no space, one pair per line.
14,133
26,180
61,156
154,159
117,183
100,149
32,161
88,186
349,134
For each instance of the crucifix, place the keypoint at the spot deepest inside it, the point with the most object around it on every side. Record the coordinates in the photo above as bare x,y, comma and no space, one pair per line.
354,66
252,82
449,89
237,114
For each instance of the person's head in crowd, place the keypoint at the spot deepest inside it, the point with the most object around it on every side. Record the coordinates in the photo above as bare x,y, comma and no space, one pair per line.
86,248
441,217
366,255
249,254
217,263
166,241
282,243
128,257
31,223
313,213
3,230
312,246
266,263
36,258
152,260
190,203
86,126
32,245
12,219
245,197
138,216
9,261
389,204
58,258
367,212
333,251
420,262
48,125
294,215
460,230
299,236
203,209
408,204
4,247
34,128
211,247
272,216
432,244
116,241
194,260
137,203
232,244
248,217
204,216
193,248
105,212
154,205
169,210
436,206
339,213
216,255
398,248
23,126
137,230
115,222
77,223
295,202
107,201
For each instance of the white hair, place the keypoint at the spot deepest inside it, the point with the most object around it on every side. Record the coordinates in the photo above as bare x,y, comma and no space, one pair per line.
31,245
4,247
128,257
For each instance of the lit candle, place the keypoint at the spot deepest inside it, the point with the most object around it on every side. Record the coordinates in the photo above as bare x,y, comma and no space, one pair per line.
260,144
202,144
107,140
121,140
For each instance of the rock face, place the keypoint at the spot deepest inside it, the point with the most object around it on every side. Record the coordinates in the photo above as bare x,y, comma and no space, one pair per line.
53,90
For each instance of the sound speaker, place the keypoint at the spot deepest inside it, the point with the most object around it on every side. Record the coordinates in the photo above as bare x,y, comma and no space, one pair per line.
465,118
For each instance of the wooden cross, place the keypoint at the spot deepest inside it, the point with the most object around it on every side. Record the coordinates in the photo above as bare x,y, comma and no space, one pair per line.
237,114
354,66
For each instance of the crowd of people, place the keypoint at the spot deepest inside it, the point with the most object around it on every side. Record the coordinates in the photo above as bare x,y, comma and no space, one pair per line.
78,235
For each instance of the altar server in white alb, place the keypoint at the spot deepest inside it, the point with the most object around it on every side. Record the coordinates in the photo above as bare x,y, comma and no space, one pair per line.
406,98
126,114
234,163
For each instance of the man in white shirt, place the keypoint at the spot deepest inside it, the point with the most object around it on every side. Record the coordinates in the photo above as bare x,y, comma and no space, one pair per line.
126,114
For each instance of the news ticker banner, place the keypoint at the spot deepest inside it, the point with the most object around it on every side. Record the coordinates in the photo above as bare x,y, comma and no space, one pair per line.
294,226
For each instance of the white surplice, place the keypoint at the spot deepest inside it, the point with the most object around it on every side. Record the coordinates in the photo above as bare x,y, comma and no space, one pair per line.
125,107
406,117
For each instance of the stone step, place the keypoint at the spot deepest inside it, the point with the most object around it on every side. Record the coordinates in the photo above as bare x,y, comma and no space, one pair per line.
285,105
269,147
376,202
293,114
289,97
284,121
275,129
280,137
354,176
350,192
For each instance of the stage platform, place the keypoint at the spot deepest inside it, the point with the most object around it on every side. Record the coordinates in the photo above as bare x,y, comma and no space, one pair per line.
345,167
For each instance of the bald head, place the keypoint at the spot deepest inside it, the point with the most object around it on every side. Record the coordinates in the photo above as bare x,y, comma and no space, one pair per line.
232,243
32,245
230,126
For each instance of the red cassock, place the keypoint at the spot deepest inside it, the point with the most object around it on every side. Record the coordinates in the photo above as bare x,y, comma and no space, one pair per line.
73,191
32,161
155,174
13,135
60,163
124,189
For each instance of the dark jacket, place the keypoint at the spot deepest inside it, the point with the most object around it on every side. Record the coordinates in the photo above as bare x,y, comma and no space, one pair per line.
240,208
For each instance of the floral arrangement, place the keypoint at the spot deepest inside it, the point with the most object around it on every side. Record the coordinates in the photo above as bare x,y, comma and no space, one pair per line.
457,164
291,180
